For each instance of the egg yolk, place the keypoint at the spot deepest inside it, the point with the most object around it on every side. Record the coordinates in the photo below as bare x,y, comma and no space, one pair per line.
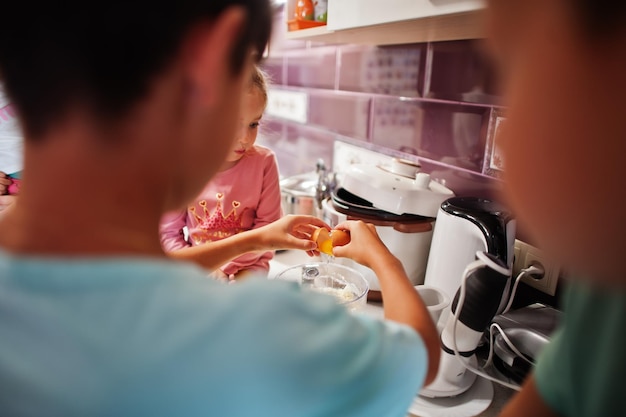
326,247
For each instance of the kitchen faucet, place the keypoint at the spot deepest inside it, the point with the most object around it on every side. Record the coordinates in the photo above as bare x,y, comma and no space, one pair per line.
326,182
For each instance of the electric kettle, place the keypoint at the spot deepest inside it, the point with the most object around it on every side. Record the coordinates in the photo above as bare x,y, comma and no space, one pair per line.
464,226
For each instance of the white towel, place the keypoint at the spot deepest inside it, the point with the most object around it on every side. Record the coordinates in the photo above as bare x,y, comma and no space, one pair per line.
11,143
11,153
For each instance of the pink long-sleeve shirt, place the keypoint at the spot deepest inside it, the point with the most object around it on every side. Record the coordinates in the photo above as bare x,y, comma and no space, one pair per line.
244,197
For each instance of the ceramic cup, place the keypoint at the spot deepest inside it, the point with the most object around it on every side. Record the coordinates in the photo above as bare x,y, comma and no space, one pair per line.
434,299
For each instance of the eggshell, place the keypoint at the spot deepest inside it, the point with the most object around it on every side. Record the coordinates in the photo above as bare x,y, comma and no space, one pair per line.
339,237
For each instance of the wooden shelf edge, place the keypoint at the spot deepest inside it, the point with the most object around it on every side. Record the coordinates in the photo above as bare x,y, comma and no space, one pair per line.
457,26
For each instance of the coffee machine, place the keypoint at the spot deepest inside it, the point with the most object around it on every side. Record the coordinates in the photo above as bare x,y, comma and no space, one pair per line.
475,303
464,226
470,258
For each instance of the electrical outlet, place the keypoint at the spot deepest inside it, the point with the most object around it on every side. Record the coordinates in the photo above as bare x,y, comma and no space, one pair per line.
527,255
517,256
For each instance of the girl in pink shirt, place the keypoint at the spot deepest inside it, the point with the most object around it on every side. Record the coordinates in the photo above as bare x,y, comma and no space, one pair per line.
243,195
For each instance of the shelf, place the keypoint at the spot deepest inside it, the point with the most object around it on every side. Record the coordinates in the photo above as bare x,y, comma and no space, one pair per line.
305,34
457,26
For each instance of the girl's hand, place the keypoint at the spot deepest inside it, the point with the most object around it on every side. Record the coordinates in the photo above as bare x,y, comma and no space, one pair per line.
5,181
365,246
291,232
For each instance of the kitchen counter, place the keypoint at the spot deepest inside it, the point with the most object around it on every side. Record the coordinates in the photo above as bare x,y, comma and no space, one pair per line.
286,259
501,395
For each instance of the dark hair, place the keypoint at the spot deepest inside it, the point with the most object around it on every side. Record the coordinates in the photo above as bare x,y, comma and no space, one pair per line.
601,17
103,55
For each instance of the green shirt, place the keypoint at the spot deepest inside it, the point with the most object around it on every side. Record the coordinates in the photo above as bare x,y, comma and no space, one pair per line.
582,372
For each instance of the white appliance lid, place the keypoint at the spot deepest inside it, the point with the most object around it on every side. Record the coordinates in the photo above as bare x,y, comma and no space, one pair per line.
398,188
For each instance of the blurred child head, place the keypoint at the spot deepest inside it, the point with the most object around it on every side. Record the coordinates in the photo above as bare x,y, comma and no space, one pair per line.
252,108
181,79
563,64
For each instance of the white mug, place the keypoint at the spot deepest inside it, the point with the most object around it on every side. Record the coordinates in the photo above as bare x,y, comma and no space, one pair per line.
434,299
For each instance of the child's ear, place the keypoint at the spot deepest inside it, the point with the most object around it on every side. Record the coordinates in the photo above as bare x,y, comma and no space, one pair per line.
207,55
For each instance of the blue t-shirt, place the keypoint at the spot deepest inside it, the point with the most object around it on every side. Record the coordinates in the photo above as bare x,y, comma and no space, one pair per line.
145,337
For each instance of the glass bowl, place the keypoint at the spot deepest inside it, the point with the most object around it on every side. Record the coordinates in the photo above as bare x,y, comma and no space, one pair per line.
347,285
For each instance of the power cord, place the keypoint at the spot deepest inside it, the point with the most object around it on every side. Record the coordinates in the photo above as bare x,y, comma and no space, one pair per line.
507,341
536,269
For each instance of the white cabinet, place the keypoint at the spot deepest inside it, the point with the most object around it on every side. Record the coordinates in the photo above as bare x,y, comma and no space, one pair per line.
347,14
386,22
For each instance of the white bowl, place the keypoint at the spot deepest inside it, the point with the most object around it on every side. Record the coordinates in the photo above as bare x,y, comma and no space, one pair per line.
348,286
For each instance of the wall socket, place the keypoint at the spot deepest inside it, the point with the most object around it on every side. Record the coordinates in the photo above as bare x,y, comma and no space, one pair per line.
527,255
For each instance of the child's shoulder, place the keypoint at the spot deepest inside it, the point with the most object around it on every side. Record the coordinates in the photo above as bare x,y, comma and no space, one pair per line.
262,151
262,155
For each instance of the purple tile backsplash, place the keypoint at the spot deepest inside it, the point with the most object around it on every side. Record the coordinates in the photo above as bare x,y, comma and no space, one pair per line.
342,113
273,66
432,102
271,131
298,147
388,70
313,67
449,133
459,71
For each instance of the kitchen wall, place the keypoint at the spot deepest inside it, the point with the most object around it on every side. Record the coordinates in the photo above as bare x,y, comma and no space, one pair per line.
436,103
432,102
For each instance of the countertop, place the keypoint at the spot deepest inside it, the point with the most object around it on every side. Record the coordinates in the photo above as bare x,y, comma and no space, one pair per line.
286,259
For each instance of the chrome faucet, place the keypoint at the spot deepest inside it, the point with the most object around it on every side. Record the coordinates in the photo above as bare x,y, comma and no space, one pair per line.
326,182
